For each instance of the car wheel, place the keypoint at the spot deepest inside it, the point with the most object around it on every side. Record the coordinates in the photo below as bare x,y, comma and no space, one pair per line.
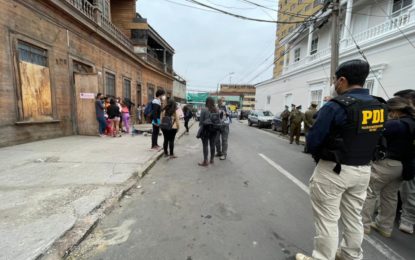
259,124
249,123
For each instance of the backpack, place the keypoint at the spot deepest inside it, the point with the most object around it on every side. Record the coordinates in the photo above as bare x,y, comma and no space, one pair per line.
166,123
148,110
213,123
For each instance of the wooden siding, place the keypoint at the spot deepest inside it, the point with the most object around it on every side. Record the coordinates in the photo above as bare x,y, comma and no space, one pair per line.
122,14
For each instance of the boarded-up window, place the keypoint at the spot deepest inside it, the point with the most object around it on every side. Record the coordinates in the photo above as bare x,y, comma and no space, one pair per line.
127,88
35,83
109,84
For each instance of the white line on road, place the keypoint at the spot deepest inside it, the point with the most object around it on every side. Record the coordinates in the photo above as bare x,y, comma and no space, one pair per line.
384,249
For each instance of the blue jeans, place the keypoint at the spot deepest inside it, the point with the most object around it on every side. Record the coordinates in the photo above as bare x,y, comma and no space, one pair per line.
102,124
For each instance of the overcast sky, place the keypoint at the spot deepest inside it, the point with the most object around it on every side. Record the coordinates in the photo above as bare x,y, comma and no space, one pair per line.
209,46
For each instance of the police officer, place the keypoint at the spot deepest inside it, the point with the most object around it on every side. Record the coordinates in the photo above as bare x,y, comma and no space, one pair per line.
285,115
387,172
296,117
309,118
407,191
343,140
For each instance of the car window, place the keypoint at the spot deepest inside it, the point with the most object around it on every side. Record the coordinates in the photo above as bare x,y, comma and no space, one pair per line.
267,113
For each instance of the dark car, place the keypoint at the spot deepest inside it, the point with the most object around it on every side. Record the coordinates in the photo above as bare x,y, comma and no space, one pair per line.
277,123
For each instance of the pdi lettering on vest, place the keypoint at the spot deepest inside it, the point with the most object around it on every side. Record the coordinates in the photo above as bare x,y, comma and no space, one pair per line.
376,116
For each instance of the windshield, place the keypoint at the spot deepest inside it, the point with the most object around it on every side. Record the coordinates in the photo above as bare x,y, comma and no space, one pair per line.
264,113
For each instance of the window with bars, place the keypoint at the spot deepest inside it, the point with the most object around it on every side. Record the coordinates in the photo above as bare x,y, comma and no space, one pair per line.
32,54
399,5
150,92
109,84
314,46
297,54
127,88
370,83
316,97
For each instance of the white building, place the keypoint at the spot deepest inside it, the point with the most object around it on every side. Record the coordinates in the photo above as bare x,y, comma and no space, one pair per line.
385,32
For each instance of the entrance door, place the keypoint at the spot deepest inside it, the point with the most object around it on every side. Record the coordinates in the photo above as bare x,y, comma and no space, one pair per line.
86,88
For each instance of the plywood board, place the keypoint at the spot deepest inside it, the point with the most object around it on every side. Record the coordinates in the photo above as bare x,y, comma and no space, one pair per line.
36,93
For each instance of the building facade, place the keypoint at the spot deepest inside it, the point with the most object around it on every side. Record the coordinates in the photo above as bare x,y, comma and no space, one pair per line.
58,54
245,92
291,11
383,30
179,89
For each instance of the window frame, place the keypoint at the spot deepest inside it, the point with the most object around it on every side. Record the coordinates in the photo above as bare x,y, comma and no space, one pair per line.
124,80
15,37
109,72
297,51
314,42
402,7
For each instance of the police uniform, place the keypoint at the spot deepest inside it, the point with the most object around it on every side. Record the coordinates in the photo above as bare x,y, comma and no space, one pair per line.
285,115
343,140
296,117
387,176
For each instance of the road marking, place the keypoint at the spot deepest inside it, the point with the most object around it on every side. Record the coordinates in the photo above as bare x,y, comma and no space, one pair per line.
286,173
384,249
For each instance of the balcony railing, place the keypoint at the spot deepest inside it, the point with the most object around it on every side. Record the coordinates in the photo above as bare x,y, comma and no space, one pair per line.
88,10
150,59
368,35
115,32
84,7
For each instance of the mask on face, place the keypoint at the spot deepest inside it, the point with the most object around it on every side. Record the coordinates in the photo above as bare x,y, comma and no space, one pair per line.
333,92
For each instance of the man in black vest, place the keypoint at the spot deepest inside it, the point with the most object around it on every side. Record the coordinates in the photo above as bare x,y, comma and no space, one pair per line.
343,141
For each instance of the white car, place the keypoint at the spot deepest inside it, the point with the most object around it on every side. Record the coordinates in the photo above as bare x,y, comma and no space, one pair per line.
261,118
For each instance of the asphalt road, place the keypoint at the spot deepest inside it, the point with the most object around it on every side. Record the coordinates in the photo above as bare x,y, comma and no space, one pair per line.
253,206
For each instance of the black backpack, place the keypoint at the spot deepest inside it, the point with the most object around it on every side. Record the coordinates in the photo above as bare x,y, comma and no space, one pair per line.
213,123
166,123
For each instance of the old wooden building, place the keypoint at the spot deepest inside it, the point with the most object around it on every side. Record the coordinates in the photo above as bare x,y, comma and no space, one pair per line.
56,55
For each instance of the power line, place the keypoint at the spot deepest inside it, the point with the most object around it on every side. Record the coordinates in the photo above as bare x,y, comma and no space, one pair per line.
241,16
231,7
275,10
190,6
365,58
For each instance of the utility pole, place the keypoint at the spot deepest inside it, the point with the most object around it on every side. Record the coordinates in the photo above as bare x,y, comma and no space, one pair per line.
334,37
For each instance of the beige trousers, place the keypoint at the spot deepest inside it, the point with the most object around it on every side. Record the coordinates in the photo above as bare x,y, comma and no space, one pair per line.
338,196
385,180
408,201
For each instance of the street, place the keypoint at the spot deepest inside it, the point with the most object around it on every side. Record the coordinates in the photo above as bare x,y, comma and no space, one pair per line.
254,205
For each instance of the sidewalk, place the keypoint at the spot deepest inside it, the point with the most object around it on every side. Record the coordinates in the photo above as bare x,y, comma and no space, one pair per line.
302,137
53,192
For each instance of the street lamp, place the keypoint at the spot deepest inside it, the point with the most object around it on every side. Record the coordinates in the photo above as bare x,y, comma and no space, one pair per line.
217,87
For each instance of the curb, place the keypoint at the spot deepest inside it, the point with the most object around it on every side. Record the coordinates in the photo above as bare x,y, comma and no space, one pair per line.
64,245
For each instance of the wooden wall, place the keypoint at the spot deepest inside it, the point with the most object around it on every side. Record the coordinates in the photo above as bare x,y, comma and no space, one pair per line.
66,40
122,14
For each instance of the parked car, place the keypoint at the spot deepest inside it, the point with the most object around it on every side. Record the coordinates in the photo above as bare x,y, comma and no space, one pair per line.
277,123
261,118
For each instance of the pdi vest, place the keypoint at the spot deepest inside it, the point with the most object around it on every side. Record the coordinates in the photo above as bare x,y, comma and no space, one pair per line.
355,142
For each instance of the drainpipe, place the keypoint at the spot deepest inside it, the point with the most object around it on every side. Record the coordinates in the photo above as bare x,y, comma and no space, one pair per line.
347,22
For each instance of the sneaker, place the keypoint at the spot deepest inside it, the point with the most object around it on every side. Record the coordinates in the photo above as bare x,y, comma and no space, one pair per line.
223,157
406,227
218,155
380,230
300,256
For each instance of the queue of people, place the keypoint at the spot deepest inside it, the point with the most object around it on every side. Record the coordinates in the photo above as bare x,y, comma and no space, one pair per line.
364,150
113,115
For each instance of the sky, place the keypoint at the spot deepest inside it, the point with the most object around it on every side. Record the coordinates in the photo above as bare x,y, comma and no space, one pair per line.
212,48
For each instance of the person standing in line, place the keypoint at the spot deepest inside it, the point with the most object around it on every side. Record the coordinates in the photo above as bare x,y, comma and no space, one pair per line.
223,134
171,128
387,171
309,118
296,117
125,117
155,117
343,141
187,116
407,191
207,132
99,111
285,115
114,116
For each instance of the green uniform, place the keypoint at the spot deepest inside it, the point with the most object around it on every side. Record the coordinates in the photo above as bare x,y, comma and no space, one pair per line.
285,115
296,117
